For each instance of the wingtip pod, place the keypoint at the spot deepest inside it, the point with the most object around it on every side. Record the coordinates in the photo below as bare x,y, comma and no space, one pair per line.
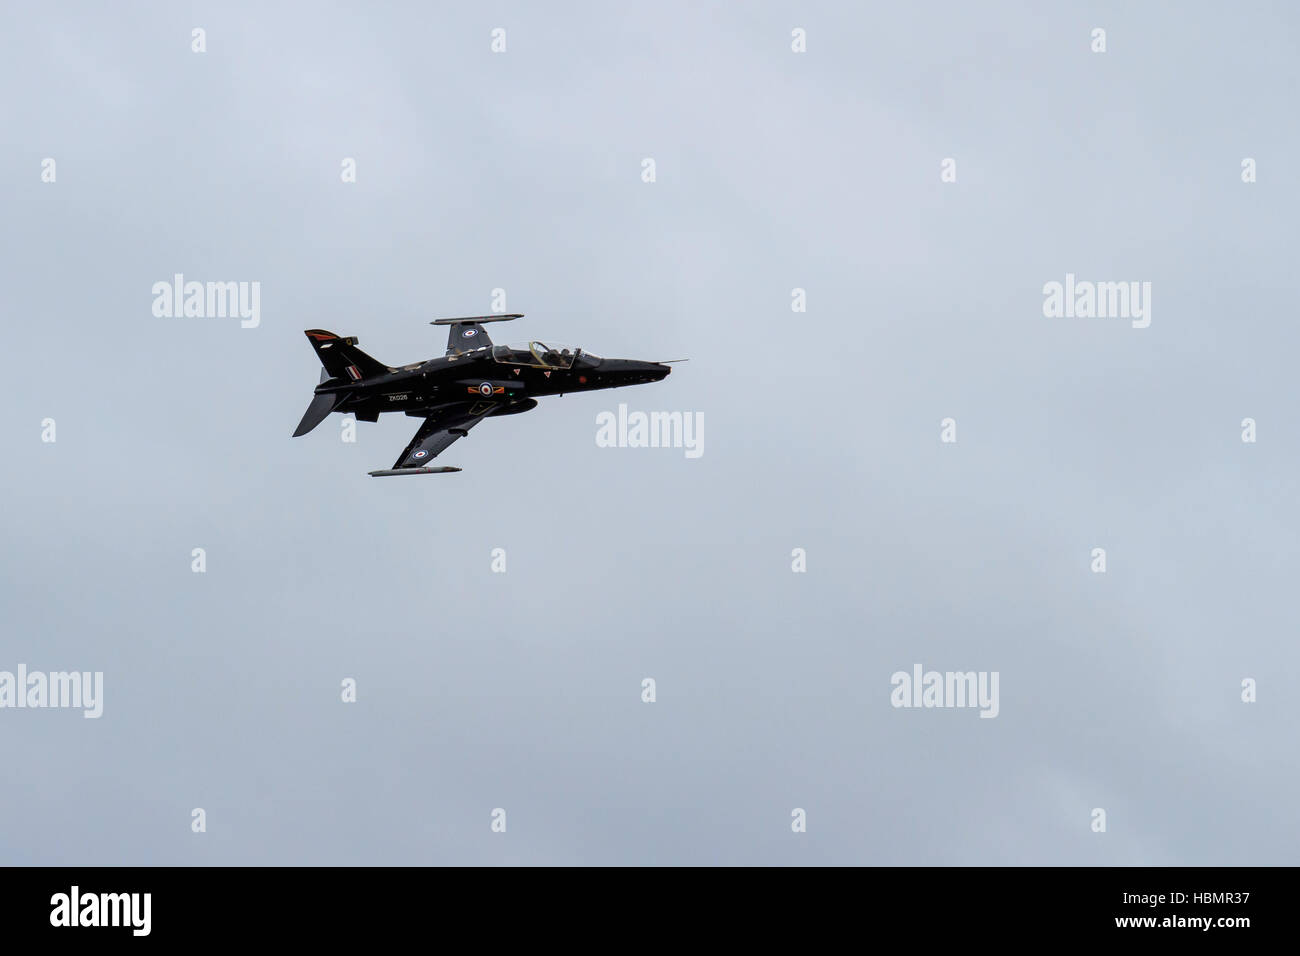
389,472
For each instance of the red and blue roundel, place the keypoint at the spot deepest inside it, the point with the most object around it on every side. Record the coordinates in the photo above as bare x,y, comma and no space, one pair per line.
470,333
420,454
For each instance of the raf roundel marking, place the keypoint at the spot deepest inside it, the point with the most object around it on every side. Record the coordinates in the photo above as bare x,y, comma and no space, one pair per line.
470,333
485,388
420,454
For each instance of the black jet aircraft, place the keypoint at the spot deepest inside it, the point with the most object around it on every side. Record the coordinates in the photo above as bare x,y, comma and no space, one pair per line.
473,381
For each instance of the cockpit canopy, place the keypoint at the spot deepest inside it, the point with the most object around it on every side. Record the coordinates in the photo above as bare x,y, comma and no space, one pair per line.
542,355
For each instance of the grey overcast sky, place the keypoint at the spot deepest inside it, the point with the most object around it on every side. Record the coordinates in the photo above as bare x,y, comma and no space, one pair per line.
775,171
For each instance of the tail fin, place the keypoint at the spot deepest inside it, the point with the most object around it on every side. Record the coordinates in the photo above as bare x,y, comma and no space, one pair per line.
344,362
342,359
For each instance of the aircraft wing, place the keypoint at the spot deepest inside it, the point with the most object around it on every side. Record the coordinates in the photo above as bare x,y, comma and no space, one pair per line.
467,333
440,429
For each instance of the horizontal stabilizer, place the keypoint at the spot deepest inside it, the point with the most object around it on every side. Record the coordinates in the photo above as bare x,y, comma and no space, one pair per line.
319,410
386,472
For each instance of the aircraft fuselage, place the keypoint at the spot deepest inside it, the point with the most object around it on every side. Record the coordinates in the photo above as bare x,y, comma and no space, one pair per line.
478,376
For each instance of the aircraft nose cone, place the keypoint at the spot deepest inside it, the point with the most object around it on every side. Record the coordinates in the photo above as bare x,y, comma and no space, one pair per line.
633,372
